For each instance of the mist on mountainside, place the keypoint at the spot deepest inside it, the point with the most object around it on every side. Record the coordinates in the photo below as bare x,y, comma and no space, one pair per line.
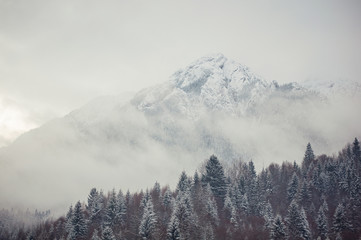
213,106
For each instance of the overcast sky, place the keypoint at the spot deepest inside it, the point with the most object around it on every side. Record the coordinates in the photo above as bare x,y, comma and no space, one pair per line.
57,55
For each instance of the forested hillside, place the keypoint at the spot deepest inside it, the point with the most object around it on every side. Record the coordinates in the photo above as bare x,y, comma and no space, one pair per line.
317,199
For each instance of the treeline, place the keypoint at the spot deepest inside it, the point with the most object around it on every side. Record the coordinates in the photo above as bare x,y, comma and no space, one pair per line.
318,199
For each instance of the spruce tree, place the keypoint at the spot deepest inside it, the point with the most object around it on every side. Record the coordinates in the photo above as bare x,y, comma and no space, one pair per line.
304,227
79,228
121,209
167,199
356,152
230,211
309,156
111,210
278,231
293,220
146,197
340,222
148,223
183,184
321,222
92,198
68,220
94,204
156,189
183,210
292,187
305,195
211,206
268,215
108,234
215,177
173,231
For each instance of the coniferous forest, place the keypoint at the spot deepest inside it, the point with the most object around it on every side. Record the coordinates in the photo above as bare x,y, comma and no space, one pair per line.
317,199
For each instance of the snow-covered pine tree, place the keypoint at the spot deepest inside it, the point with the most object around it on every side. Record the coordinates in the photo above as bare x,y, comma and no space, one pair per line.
230,212
304,227
215,177
146,197
184,212
356,152
91,198
244,207
253,191
208,233
167,199
156,189
292,187
265,183
321,222
173,231
107,233
305,195
211,206
121,209
309,157
278,231
268,216
94,204
196,179
68,220
147,226
111,210
79,228
293,220
324,206
340,221
128,198
183,183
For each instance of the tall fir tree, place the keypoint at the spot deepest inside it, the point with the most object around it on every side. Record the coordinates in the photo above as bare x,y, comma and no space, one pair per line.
278,231
108,234
322,226
268,215
292,187
293,220
111,210
304,227
79,228
148,223
68,220
215,177
183,183
184,212
309,156
146,197
340,221
173,231
211,206
121,209
94,205
356,152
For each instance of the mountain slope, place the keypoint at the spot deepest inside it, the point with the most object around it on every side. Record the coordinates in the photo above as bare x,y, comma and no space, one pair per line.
214,105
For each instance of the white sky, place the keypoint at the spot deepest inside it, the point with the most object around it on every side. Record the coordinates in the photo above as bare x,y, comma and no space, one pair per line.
57,55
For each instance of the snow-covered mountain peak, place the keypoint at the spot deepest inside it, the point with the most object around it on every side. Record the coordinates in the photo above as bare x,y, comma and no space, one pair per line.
210,83
213,71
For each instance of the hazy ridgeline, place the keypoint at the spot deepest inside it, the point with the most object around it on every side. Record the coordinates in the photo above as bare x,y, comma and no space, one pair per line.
317,199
